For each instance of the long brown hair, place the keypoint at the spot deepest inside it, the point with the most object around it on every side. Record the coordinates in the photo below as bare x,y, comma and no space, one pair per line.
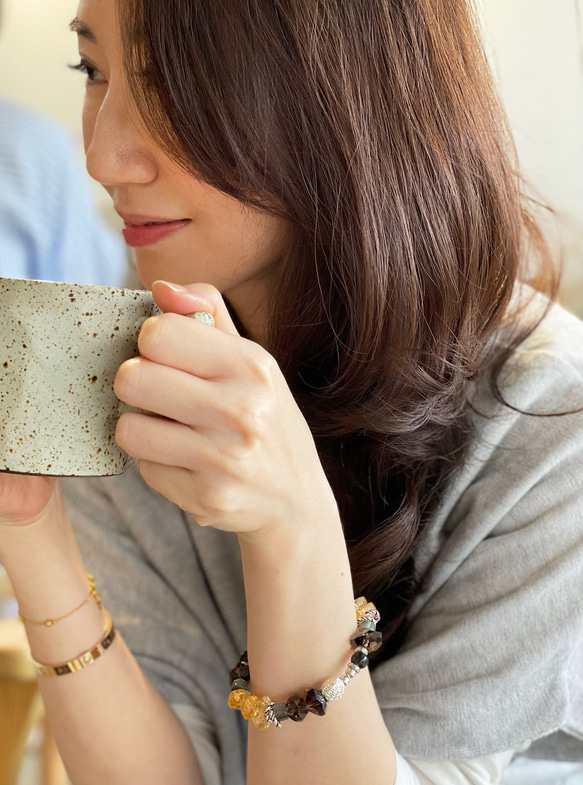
373,128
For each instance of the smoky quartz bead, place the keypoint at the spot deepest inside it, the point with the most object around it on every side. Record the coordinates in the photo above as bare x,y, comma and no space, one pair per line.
280,712
369,639
240,684
316,702
360,657
240,671
296,708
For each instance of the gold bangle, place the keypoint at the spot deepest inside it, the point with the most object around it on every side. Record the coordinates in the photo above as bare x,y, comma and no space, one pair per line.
50,622
84,659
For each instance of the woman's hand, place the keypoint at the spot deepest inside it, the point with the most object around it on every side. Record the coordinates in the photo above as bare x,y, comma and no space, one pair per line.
24,499
230,445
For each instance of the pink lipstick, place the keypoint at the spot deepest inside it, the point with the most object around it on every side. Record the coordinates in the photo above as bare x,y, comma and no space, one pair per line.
140,231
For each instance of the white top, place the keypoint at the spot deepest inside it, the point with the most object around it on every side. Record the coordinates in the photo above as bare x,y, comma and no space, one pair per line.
480,771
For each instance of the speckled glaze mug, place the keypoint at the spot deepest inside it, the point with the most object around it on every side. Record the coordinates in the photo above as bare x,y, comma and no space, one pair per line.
60,347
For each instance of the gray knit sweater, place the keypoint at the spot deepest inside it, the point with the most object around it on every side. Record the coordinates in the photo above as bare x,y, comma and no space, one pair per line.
494,656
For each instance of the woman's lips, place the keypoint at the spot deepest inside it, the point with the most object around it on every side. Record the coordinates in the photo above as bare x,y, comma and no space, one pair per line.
140,234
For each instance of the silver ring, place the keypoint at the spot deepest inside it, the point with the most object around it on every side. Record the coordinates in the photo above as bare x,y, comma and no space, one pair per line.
203,317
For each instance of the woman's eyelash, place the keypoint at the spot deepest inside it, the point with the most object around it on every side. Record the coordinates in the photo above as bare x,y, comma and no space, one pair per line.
86,68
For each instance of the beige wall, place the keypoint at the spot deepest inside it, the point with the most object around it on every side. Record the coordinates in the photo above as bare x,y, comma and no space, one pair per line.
535,47
35,47
536,51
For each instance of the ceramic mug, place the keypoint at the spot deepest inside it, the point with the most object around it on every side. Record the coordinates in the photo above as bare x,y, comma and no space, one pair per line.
60,348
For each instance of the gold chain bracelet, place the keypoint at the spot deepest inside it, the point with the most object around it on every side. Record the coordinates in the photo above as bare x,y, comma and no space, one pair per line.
50,622
84,659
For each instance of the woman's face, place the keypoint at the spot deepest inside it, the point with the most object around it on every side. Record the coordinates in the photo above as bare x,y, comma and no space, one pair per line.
200,234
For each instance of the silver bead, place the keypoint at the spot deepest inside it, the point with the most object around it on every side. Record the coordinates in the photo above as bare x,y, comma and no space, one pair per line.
332,689
352,670
270,716
372,615
345,680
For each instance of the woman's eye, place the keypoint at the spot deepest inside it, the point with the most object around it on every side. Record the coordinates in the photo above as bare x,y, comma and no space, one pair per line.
93,75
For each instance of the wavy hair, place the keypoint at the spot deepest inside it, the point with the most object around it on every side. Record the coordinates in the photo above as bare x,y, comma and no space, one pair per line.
374,129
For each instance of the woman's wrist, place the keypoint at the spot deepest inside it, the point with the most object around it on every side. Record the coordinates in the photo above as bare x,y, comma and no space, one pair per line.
300,619
50,521
49,580
294,579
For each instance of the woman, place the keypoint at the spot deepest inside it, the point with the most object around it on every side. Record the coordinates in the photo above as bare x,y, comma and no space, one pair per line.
334,183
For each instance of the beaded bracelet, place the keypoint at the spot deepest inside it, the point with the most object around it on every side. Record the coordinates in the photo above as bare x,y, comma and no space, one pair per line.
264,712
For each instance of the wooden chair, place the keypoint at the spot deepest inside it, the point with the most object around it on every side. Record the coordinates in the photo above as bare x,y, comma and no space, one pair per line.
21,706
20,702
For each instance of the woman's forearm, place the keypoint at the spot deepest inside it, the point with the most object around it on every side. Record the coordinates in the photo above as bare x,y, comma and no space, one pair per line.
111,725
301,615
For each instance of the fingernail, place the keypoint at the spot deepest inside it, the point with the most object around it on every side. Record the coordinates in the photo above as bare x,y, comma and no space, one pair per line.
176,287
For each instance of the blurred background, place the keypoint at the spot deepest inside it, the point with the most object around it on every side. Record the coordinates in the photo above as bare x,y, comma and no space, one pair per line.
35,49
536,52
535,49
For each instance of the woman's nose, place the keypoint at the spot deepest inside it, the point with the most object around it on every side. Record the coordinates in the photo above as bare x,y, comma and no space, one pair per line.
116,150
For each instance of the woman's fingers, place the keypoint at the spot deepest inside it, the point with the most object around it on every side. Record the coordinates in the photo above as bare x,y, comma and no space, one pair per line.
185,489
174,339
172,393
166,442
173,483
179,463
180,342
174,298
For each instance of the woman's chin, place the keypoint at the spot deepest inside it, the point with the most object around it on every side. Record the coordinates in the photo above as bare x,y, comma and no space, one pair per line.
153,267
146,281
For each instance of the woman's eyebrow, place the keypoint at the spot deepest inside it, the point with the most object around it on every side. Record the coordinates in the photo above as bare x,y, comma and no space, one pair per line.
79,27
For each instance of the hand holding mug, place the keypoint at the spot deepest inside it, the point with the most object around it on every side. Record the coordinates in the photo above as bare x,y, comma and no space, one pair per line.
229,444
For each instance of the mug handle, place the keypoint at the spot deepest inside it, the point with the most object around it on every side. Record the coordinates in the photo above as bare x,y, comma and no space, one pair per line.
203,317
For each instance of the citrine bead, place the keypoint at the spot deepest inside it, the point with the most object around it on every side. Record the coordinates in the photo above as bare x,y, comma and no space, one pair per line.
359,601
296,708
248,705
258,717
316,702
235,698
362,609
240,671
369,639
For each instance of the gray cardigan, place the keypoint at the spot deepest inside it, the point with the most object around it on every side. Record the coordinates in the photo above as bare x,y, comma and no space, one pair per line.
494,656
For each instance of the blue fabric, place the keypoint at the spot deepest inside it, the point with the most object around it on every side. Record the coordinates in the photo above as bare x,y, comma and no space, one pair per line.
49,227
